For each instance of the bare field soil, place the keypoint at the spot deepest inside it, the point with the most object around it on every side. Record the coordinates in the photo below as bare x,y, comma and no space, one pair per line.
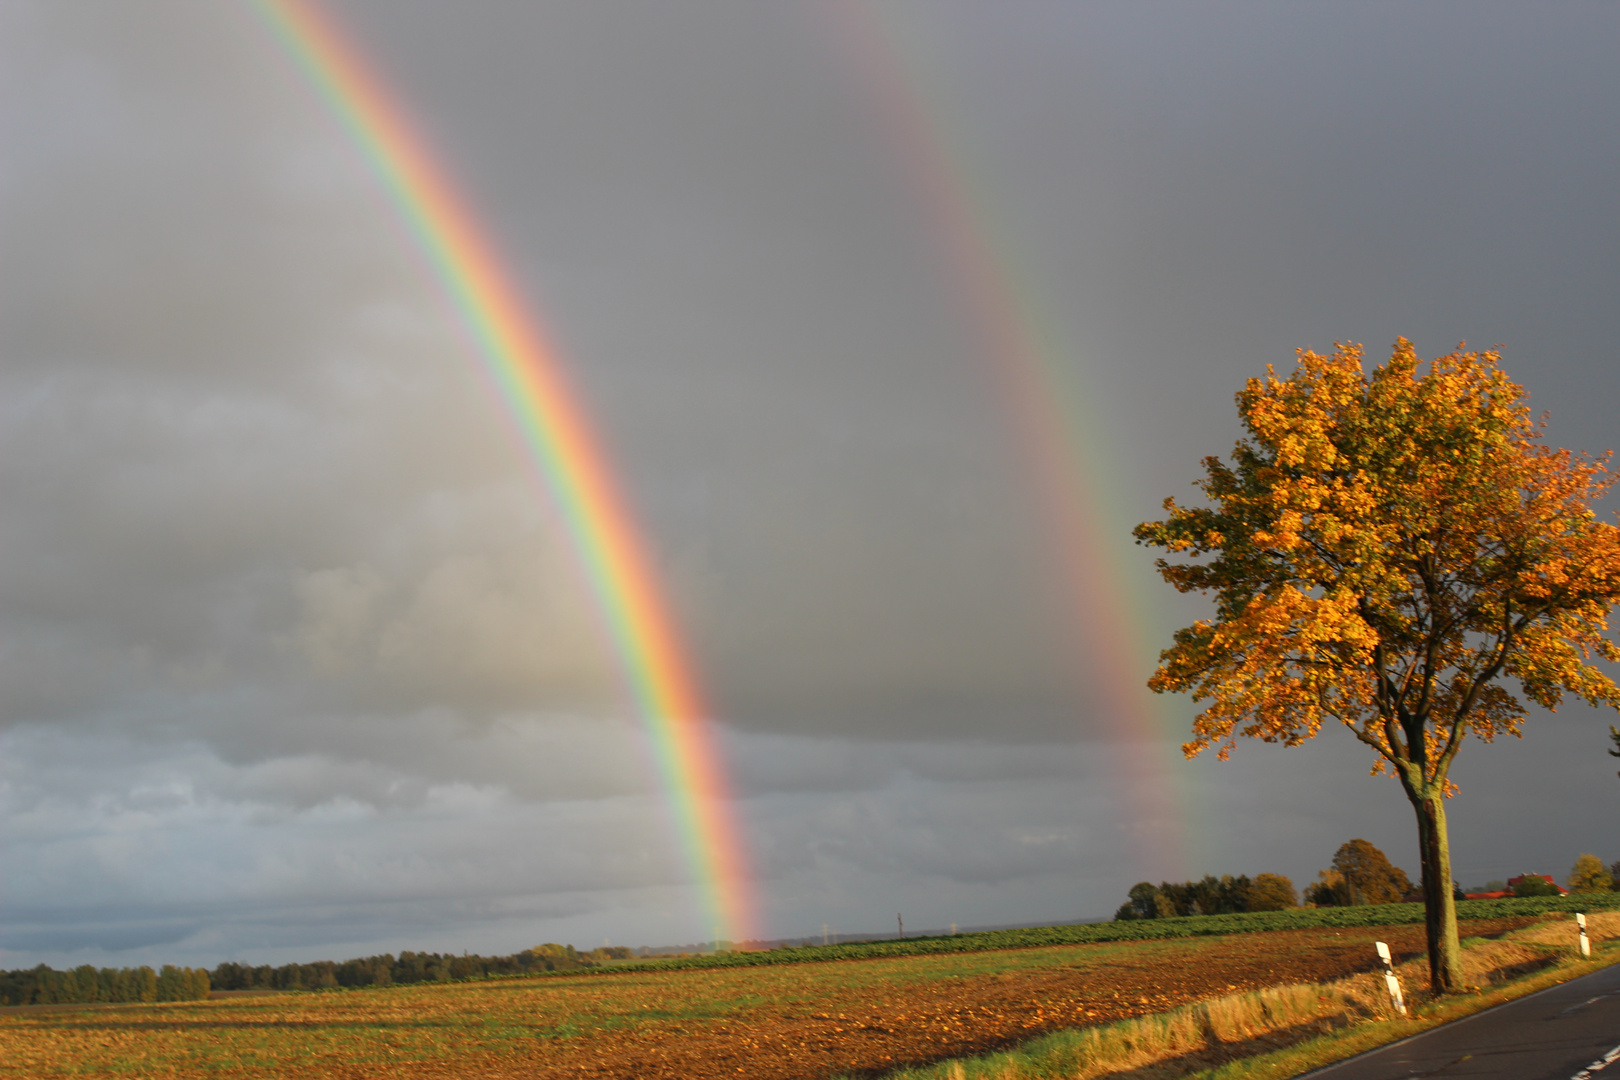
786,1022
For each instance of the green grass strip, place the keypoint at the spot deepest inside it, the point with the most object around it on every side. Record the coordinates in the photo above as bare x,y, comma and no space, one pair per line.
1088,933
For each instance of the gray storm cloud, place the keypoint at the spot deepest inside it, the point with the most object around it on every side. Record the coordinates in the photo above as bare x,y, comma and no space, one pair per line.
296,654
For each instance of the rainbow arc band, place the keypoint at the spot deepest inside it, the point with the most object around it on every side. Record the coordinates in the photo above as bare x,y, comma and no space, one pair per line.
525,366
1050,410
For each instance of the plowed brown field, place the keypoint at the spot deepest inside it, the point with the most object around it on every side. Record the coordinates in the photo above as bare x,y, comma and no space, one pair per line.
787,1022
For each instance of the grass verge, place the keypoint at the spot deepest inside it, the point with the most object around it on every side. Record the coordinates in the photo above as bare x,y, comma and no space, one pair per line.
1324,1050
1281,1032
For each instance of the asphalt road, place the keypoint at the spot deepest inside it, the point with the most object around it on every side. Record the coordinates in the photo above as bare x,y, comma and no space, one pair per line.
1566,1032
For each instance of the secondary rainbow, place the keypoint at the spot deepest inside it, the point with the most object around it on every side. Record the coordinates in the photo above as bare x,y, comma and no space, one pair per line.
1040,385
524,363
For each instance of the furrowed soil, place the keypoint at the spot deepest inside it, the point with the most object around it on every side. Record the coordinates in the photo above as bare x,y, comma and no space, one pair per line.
805,1021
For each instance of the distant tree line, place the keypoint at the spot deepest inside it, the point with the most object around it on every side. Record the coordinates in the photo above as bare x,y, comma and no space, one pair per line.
410,967
46,986
1360,874
1225,895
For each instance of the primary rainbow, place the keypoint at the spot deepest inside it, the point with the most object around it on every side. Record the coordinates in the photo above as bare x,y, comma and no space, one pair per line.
525,366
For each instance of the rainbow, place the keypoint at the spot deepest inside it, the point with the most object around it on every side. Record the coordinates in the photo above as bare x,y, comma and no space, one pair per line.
1039,385
525,365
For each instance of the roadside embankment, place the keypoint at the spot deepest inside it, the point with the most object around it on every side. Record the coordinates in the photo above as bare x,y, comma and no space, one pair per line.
1281,1031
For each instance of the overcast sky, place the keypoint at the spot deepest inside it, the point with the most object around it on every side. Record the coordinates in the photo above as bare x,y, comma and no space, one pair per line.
296,660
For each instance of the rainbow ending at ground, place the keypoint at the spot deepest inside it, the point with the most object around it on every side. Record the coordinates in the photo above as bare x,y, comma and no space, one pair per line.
524,363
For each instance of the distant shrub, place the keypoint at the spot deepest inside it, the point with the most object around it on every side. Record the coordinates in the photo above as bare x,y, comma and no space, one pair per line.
1272,892
1532,885
1143,902
1589,875
1225,895
1327,891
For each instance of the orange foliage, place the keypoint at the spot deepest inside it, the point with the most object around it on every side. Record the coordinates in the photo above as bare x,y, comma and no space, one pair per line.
1385,548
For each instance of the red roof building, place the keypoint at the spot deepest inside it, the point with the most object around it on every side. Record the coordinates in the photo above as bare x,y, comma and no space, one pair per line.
1512,881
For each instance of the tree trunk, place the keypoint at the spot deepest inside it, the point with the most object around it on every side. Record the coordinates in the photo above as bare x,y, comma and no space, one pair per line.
1439,906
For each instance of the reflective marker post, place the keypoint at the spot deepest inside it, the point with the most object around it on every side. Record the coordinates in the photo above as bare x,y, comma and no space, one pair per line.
1390,979
1586,944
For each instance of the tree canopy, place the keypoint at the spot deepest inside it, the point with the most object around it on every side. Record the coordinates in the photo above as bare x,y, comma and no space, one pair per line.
1382,550
1361,874
1589,875
1272,892
1213,895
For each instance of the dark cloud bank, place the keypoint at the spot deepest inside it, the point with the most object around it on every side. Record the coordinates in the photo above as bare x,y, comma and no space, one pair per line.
296,658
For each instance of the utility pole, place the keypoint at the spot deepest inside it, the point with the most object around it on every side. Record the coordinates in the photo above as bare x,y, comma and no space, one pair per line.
902,924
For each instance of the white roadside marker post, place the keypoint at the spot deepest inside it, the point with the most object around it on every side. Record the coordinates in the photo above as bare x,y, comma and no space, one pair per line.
1586,944
1390,978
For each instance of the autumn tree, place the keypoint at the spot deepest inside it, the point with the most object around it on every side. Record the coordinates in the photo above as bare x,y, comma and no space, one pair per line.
1369,877
1272,892
1589,875
1145,902
1384,550
1328,890
1211,896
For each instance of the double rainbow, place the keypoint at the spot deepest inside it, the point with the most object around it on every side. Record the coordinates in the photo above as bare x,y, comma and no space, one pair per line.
525,365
